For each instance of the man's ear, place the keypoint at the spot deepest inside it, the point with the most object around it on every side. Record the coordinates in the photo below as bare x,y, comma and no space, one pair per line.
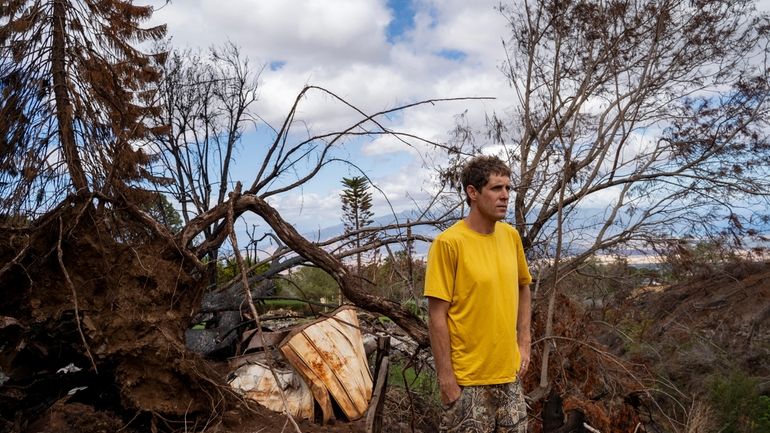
472,192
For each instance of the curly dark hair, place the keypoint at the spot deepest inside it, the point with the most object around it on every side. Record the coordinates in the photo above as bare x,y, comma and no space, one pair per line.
477,171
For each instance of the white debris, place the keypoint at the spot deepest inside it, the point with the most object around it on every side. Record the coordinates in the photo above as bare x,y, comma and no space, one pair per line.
72,368
76,389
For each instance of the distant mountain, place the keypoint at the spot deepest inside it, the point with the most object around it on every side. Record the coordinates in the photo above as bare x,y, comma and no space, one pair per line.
421,248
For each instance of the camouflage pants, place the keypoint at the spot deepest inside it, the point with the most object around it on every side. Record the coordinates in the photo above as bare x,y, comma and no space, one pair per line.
487,409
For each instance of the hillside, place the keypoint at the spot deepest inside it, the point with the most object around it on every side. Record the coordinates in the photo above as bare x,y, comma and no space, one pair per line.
706,340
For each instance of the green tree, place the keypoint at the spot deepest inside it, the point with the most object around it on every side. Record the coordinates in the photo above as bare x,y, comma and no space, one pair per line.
163,211
313,284
357,213
739,406
73,85
228,269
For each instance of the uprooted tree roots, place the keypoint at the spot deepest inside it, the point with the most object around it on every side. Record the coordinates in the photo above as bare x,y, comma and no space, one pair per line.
96,315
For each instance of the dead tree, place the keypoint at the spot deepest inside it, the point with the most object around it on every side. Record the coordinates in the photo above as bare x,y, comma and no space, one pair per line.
76,94
208,103
312,155
633,123
74,87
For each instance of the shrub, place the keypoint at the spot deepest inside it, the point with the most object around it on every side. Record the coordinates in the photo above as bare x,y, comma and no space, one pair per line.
738,405
311,283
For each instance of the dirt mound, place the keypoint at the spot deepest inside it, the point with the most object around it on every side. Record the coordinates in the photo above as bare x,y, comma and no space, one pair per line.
604,387
112,305
76,417
81,418
705,325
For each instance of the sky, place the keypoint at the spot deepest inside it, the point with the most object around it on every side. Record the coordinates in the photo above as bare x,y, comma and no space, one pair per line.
377,54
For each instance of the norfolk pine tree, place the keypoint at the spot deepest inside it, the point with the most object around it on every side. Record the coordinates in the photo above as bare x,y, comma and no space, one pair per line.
356,212
76,95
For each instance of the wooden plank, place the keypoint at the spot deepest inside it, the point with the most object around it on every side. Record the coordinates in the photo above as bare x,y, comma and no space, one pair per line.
374,414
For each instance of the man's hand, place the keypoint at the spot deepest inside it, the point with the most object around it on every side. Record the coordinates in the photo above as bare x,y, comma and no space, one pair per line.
450,390
525,350
523,331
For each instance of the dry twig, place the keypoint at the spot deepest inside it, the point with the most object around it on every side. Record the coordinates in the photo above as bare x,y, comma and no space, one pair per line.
60,255
250,301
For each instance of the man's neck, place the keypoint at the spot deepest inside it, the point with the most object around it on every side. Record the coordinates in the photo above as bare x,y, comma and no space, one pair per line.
478,223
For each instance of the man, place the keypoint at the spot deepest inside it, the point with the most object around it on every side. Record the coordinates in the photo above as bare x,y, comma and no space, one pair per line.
479,307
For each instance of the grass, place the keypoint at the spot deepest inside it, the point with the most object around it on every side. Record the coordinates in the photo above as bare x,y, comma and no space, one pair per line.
292,305
286,304
407,377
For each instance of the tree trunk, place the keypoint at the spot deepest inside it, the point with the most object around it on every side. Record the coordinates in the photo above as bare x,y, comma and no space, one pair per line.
64,110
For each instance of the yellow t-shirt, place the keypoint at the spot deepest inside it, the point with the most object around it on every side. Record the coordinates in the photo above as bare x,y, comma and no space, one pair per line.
479,275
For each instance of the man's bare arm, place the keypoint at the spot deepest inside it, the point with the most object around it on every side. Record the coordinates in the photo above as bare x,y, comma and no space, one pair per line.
439,344
523,324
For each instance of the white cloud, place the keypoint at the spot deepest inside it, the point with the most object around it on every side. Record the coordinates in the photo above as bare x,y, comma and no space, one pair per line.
474,28
342,46
308,209
302,31
403,188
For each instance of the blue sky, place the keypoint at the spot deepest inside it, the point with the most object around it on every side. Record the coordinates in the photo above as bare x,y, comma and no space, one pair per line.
403,19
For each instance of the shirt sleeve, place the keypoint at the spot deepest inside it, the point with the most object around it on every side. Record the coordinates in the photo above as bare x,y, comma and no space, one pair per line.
525,278
441,271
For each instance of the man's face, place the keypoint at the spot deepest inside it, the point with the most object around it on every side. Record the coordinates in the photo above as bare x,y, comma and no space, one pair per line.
492,200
